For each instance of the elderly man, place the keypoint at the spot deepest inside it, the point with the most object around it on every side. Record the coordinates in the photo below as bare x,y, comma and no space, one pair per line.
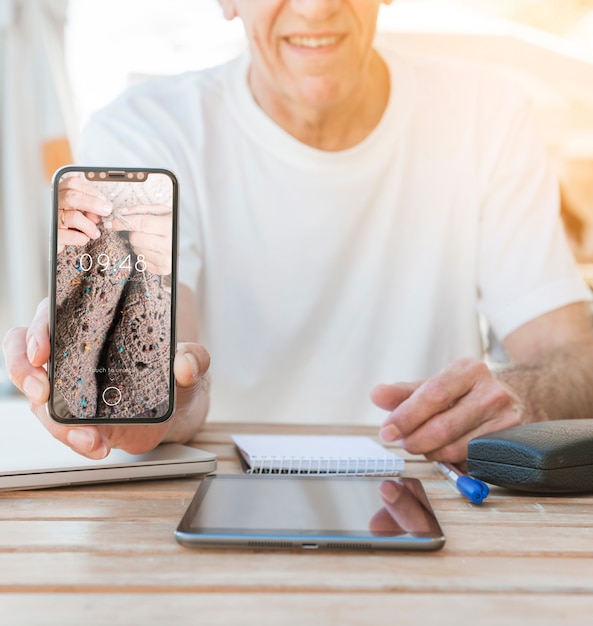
348,214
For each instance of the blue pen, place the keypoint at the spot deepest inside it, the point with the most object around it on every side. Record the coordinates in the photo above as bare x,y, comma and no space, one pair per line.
473,489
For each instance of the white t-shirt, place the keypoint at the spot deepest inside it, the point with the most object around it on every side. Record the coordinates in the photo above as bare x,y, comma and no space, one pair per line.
317,274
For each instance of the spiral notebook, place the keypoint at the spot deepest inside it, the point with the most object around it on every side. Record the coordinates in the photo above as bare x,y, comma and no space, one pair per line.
316,454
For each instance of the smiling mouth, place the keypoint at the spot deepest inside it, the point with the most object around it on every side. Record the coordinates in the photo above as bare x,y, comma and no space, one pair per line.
302,41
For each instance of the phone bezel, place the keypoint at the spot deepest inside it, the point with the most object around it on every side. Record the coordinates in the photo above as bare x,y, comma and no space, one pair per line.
52,291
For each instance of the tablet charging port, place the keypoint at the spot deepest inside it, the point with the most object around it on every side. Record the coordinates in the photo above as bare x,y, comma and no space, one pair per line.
309,546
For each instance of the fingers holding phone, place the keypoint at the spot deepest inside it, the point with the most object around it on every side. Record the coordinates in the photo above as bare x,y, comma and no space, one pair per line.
26,352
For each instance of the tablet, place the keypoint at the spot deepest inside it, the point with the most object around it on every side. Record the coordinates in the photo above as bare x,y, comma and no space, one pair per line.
304,512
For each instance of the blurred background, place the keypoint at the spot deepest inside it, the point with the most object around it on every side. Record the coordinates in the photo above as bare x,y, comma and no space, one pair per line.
63,59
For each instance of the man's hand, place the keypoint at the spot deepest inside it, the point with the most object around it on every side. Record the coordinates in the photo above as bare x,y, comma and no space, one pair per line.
27,351
551,378
439,416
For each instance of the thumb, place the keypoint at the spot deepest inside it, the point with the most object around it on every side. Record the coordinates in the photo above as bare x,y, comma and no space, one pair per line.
191,363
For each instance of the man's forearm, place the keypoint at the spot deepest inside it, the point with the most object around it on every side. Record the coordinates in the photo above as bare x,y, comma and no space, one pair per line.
556,386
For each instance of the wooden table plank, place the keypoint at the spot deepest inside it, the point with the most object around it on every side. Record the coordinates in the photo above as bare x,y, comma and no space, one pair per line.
298,609
153,536
232,571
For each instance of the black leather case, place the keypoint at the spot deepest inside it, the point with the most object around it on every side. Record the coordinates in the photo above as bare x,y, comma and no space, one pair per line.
546,457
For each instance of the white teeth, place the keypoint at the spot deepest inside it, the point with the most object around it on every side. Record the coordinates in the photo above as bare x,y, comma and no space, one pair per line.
313,42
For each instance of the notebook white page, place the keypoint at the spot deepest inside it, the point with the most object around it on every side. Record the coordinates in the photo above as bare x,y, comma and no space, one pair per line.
317,454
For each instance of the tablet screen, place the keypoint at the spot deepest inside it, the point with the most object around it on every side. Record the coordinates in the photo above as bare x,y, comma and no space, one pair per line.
315,511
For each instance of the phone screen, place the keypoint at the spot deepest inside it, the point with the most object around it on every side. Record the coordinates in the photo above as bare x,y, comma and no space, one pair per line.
112,296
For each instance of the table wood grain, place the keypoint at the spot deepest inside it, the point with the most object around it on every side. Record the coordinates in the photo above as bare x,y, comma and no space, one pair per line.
106,554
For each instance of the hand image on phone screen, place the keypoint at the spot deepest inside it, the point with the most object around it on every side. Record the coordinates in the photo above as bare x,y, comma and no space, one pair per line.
112,295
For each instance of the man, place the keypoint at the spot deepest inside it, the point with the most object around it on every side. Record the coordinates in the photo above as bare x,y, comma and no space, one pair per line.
346,215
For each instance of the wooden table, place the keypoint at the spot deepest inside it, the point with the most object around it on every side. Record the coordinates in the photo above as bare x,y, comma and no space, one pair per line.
106,554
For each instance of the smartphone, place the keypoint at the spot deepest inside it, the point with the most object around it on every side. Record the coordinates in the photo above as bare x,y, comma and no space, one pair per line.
277,511
112,295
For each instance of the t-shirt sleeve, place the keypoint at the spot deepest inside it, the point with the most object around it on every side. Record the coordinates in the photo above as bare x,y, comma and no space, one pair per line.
525,265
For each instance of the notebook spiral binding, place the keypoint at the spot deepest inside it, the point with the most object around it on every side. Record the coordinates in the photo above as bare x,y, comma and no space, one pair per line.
321,466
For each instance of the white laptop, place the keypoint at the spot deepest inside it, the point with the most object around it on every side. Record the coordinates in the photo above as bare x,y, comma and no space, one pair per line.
30,458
